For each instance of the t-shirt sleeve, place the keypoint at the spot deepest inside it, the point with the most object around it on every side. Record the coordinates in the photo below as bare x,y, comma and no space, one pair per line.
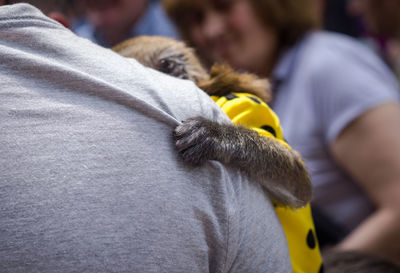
345,88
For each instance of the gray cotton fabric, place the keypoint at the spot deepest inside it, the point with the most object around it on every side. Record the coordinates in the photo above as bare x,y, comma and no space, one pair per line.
89,177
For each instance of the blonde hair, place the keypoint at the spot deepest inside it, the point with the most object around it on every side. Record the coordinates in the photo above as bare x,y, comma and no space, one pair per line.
291,19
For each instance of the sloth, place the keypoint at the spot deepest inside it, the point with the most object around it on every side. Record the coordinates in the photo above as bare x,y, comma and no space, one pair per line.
260,153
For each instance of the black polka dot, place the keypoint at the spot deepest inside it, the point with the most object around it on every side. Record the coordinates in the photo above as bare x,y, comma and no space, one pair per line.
231,96
311,239
269,129
321,269
255,100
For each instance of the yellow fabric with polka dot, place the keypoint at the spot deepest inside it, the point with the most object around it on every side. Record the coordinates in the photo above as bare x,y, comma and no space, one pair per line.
249,111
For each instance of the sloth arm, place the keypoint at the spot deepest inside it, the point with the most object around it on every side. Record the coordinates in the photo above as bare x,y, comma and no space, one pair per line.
255,145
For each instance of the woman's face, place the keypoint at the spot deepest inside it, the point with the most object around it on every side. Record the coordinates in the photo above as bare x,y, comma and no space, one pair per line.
230,31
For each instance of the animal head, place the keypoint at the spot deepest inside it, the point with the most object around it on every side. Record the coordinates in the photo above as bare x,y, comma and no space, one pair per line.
164,54
177,59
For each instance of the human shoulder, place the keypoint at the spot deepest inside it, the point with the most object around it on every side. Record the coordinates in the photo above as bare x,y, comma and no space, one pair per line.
182,98
99,71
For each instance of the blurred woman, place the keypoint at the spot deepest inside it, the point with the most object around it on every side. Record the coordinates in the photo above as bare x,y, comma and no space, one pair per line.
338,105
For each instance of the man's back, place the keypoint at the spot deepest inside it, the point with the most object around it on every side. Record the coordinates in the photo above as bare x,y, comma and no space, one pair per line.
89,178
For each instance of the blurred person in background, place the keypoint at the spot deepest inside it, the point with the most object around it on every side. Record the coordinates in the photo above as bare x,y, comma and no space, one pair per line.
109,22
337,101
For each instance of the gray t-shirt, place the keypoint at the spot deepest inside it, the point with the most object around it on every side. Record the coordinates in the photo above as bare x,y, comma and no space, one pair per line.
89,177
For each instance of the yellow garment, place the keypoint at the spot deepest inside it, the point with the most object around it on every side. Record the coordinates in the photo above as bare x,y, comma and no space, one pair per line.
249,111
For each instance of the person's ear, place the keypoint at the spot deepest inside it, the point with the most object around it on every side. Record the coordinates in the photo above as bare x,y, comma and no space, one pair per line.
59,17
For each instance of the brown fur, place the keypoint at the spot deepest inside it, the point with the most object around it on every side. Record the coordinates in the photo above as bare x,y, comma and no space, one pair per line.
149,50
222,80
278,169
